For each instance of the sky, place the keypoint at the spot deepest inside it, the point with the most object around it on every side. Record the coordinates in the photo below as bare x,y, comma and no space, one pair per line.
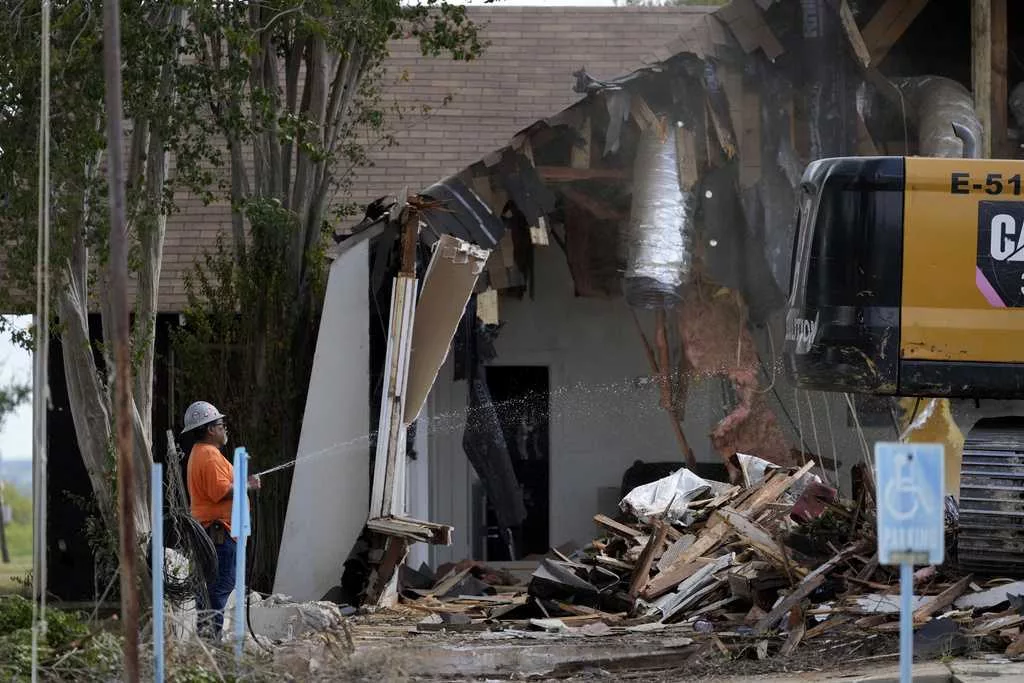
16,364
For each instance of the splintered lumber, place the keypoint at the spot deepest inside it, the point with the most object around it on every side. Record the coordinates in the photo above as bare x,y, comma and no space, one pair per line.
826,626
675,550
617,528
796,634
1016,648
714,533
807,586
759,539
942,600
642,571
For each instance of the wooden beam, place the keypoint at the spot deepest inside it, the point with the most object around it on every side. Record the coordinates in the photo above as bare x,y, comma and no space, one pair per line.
853,34
981,69
942,600
997,134
642,571
593,205
642,113
888,24
564,174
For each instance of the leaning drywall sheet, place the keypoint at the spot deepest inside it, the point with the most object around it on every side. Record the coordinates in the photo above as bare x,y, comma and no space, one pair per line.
447,286
329,495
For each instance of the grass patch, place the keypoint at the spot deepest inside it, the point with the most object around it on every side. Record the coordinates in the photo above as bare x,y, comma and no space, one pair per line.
12,575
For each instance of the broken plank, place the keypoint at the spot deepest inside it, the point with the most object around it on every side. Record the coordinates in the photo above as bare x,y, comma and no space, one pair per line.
796,634
825,626
942,600
1016,648
674,550
642,571
853,34
616,527
759,539
807,586
614,563
642,113
984,628
716,530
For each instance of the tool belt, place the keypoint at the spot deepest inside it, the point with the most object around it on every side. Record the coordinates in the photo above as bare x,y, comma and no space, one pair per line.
217,532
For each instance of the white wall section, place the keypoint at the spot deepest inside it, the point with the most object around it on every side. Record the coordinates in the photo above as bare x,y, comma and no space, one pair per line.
330,486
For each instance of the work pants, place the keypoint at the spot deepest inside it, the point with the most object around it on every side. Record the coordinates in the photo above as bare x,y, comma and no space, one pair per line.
211,615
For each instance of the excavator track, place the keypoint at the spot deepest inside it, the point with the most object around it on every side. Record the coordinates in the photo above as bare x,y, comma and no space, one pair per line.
991,530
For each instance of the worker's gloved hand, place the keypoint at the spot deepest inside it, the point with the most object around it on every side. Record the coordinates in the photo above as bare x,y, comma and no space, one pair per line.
254,482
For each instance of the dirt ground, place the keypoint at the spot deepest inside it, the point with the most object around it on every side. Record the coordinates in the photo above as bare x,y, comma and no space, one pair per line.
396,652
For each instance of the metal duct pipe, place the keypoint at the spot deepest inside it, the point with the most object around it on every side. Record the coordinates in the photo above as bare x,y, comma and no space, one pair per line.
943,113
659,238
1017,105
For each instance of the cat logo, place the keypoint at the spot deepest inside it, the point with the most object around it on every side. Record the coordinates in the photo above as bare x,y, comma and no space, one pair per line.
1006,239
1000,263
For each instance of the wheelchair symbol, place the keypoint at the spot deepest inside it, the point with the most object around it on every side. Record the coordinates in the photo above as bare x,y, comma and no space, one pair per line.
902,497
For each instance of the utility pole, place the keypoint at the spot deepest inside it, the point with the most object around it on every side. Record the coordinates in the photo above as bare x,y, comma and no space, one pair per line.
122,377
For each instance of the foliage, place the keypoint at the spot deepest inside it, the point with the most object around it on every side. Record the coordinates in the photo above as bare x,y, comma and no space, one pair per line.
20,504
297,88
69,644
162,124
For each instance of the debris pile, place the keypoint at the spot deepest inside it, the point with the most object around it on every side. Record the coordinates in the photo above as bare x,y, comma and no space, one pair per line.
751,570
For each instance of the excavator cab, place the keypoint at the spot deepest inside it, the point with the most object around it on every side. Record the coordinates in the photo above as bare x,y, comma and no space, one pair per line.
908,278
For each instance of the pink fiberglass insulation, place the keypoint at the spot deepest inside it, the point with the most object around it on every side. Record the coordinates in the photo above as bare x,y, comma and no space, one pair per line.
717,343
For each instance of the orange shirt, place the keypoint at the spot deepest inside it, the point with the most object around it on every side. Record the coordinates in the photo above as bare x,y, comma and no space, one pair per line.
210,478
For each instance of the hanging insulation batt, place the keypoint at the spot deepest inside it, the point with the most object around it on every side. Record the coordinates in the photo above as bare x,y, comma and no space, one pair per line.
658,240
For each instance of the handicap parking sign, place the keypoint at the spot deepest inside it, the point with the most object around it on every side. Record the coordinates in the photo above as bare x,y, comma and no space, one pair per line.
910,495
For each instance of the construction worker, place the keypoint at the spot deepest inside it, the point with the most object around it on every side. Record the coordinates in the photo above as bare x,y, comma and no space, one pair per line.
211,480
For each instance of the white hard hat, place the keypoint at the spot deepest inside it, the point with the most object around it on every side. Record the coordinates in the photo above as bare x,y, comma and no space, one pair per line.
200,413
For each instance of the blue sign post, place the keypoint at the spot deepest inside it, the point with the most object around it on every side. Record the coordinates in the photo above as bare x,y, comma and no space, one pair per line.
910,491
240,525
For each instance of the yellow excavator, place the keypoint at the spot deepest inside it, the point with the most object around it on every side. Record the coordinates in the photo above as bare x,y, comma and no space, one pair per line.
908,281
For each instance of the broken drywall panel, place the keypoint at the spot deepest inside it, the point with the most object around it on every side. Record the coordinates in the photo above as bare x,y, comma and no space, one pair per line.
447,286
329,496
487,307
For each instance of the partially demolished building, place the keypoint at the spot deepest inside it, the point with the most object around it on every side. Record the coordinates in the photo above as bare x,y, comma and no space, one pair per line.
601,299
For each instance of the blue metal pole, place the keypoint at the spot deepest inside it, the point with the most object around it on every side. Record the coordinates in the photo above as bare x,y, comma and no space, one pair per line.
157,538
240,525
906,622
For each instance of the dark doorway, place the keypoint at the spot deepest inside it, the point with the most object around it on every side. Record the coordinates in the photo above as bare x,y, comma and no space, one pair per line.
521,395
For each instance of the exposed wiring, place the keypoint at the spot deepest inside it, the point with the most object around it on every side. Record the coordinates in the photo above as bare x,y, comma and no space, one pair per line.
863,439
814,430
832,438
799,419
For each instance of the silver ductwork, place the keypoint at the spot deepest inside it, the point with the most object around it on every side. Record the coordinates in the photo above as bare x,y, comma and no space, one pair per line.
943,113
659,238
1017,105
